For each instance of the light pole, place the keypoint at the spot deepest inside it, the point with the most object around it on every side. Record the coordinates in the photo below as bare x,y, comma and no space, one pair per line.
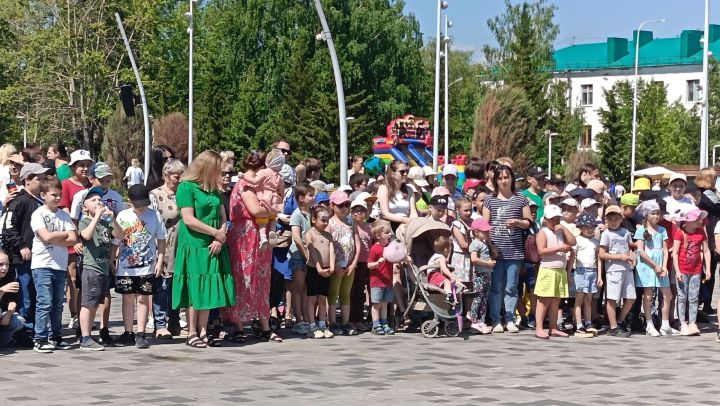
189,16
550,136
715,147
441,5
24,117
141,89
705,91
635,100
446,41
327,36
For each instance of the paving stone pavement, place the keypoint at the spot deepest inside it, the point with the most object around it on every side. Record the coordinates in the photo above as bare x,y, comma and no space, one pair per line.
503,369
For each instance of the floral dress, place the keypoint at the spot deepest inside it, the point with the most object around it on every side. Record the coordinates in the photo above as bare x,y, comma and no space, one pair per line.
251,265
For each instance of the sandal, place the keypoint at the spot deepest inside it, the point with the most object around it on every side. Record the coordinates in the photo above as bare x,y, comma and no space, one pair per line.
543,337
195,342
270,336
211,341
236,337
558,333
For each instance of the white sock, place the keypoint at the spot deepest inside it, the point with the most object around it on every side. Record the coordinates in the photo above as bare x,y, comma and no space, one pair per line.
665,324
649,324
579,326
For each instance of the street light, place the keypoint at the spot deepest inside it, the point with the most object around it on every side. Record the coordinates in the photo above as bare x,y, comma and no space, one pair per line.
327,36
550,135
189,16
441,5
635,100
715,147
24,117
705,90
446,41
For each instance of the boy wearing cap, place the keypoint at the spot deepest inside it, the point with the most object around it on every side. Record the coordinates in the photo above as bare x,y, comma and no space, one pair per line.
80,163
450,179
678,203
17,237
619,263
98,229
536,190
140,261
439,208
628,203
54,231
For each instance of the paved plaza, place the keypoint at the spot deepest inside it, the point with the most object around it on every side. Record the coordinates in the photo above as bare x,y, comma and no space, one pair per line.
406,368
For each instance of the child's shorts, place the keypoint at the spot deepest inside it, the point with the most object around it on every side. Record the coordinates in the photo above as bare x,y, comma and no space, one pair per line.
586,280
620,285
316,284
437,278
94,287
141,285
380,295
551,282
297,265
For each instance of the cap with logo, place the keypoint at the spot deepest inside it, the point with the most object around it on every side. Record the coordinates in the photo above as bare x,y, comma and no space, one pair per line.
78,156
537,172
439,200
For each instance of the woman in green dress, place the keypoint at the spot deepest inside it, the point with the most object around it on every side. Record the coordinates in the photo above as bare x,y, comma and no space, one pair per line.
202,280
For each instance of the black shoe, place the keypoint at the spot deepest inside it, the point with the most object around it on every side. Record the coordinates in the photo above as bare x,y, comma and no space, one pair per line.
624,327
141,342
618,332
702,317
22,339
126,339
106,339
175,330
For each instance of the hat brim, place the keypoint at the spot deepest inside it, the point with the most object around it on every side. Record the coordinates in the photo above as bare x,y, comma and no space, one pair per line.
482,228
421,182
39,172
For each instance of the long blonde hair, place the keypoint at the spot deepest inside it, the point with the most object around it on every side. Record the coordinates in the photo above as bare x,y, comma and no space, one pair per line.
205,170
5,151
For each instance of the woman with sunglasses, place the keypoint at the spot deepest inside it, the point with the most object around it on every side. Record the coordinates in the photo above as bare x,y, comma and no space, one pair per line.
160,155
508,212
396,200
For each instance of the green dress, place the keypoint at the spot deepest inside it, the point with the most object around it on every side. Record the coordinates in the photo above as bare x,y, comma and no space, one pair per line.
201,280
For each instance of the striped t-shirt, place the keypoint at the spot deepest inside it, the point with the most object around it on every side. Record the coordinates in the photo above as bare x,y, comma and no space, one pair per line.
509,241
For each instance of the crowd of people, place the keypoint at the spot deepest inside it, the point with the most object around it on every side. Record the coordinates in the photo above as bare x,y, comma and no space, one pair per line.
212,250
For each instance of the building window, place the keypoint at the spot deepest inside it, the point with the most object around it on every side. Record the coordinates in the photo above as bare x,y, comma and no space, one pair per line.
693,90
586,140
587,95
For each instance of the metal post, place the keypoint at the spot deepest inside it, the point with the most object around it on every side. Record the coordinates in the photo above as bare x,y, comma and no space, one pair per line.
705,90
635,99
550,155
141,89
714,161
436,113
448,24
327,36
190,84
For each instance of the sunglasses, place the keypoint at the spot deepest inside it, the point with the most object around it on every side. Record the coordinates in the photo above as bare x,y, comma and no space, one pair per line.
285,151
403,172
227,173
344,205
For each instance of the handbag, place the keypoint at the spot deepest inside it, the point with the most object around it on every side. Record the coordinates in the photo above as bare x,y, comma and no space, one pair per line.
530,247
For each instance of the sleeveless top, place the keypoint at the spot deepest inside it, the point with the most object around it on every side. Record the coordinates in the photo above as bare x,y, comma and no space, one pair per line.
344,239
557,260
400,204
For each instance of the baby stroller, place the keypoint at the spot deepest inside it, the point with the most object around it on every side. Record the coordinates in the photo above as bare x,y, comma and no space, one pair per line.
423,296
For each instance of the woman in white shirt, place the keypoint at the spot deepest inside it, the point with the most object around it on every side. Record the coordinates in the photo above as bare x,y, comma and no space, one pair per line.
396,200
134,174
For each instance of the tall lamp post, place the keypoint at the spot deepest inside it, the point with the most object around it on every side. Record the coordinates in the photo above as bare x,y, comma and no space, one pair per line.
189,16
705,91
550,136
635,99
446,41
327,36
441,5
24,117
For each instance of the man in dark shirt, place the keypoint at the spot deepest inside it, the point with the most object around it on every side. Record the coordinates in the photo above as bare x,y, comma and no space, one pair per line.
10,323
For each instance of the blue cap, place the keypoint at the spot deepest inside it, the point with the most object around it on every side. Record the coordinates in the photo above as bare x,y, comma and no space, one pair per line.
581,193
585,219
321,197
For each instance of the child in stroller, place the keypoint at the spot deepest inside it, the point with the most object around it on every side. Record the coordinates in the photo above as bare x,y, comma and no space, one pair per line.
441,275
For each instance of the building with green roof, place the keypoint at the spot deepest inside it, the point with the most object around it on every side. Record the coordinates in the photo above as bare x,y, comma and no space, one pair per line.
594,67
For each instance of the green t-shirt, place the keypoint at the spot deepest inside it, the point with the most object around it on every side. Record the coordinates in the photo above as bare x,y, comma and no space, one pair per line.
63,172
537,199
96,256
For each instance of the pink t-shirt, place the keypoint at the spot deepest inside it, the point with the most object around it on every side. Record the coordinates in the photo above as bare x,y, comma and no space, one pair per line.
270,190
363,230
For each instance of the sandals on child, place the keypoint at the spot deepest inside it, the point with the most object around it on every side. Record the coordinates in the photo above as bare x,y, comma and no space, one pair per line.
270,336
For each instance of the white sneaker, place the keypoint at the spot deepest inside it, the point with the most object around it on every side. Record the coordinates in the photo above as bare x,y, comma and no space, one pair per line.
668,331
685,330
651,331
510,327
498,329
183,324
150,325
328,334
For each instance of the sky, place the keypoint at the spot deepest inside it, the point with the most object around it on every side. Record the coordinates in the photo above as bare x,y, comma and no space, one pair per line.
579,20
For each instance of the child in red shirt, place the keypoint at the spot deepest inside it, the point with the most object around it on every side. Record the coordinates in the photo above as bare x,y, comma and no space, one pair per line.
690,252
381,278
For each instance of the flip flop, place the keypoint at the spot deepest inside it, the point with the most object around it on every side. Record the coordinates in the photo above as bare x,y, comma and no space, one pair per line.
542,337
559,334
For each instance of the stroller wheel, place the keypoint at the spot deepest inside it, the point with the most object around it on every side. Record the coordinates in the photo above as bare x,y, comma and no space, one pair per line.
430,328
255,329
274,323
451,328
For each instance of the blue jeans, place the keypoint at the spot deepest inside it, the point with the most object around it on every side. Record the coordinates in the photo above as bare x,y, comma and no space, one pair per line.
504,280
6,332
162,304
26,294
50,288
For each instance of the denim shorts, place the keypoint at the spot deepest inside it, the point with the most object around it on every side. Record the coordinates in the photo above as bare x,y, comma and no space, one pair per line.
586,280
297,265
381,295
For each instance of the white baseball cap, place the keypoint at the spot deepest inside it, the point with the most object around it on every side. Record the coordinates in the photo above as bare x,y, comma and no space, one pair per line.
569,202
429,171
449,169
79,155
675,176
417,174
588,203
552,211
